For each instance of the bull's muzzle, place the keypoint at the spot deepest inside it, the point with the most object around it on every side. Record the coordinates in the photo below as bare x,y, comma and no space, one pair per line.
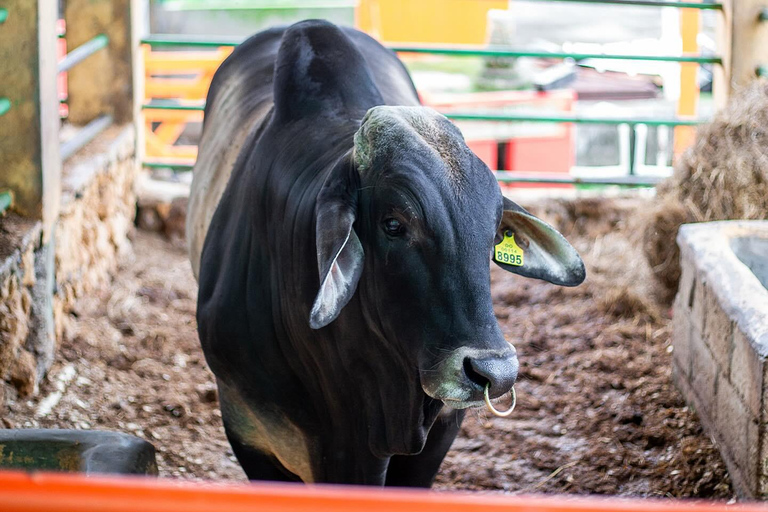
468,375
495,374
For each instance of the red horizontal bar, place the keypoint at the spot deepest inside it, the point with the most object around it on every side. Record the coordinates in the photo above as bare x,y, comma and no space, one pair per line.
21,492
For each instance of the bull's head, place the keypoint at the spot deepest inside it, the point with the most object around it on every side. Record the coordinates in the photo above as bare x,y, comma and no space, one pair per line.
427,215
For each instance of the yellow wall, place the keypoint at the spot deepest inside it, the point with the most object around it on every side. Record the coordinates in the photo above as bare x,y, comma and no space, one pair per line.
426,21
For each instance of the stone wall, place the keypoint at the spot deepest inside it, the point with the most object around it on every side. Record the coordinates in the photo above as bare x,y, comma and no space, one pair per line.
40,282
96,218
720,340
18,240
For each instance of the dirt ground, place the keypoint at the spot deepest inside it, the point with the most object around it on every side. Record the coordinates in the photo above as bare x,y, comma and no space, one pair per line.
596,413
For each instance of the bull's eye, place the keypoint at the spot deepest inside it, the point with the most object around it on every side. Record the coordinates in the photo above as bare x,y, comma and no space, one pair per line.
393,227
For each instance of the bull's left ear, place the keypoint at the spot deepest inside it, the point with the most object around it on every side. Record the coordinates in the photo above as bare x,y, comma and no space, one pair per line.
339,251
528,246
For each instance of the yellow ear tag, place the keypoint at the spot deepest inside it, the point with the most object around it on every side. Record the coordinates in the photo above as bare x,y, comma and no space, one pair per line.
508,252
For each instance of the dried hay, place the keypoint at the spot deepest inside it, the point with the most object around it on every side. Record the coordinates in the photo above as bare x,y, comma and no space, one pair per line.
723,176
603,231
624,301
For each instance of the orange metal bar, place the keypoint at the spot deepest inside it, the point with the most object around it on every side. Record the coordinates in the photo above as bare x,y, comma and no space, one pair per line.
186,116
687,106
180,153
183,88
160,141
169,132
158,148
21,492
154,146
168,63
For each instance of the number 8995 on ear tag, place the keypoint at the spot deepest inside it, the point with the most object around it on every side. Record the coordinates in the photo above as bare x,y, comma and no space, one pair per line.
508,252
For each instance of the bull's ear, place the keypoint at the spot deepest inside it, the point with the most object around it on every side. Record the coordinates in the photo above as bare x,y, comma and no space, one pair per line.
528,246
339,252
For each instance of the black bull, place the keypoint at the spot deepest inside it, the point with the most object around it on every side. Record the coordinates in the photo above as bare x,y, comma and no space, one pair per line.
341,233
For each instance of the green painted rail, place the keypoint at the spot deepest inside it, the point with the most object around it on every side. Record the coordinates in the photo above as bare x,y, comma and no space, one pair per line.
172,106
180,166
85,135
645,3
3,15
490,51
573,119
5,106
461,116
176,40
83,51
456,51
621,181
6,201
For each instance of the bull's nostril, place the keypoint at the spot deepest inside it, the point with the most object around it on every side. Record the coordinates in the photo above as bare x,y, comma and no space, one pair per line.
473,375
499,372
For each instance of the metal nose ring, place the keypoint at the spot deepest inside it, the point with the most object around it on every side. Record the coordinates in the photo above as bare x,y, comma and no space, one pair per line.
502,414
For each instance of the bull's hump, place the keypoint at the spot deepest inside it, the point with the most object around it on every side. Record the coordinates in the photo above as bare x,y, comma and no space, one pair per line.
389,128
320,70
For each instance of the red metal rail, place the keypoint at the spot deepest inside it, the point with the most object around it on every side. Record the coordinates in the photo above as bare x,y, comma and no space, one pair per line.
20,492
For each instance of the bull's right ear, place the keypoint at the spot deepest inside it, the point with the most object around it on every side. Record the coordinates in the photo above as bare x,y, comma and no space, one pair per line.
339,251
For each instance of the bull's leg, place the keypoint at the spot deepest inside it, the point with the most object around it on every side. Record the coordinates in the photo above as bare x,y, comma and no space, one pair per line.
420,470
257,465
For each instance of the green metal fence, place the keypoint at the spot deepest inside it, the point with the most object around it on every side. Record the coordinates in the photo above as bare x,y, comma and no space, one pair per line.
159,40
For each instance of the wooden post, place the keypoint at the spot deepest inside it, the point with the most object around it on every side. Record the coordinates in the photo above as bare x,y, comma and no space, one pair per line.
29,132
743,43
102,83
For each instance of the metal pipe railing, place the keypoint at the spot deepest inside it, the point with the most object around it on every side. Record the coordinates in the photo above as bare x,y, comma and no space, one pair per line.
5,106
622,181
155,164
62,492
83,51
200,41
460,116
490,51
85,135
467,51
173,106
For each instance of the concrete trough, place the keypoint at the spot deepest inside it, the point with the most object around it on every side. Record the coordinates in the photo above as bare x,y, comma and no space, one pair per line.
720,341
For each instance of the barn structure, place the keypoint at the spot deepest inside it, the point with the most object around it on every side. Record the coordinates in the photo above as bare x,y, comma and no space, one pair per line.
68,187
